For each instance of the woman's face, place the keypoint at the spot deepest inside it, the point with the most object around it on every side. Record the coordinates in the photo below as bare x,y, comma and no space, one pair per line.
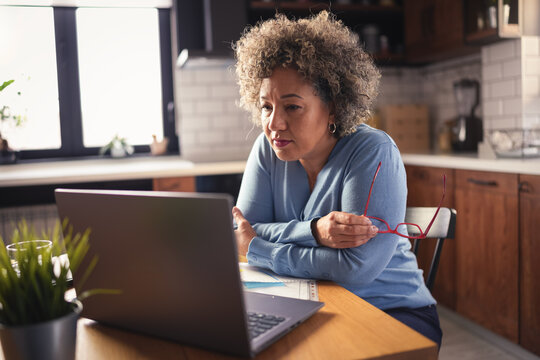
295,120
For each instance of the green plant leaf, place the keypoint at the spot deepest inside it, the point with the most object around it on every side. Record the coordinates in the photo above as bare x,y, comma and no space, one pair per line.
6,84
35,292
88,293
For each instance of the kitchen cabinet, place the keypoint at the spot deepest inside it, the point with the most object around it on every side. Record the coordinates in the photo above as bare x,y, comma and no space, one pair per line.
529,219
434,30
487,253
425,188
183,184
490,21
382,20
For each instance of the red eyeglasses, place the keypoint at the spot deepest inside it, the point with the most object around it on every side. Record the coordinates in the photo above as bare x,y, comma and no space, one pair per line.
423,234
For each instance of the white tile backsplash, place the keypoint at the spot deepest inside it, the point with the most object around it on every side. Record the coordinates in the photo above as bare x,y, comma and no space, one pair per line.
195,92
531,65
223,91
492,108
512,106
511,68
210,76
504,122
210,107
512,100
502,50
210,125
531,45
531,105
531,86
491,71
531,121
518,84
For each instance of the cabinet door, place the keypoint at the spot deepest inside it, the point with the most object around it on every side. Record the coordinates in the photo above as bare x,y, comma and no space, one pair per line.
487,249
434,30
448,26
183,184
529,214
419,26
425,188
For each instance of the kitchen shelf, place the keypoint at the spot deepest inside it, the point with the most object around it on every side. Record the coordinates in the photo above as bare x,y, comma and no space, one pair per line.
389,59
387,19
318,6
484,27
486,35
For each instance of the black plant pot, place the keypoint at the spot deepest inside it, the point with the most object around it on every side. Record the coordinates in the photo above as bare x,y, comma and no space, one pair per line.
50,340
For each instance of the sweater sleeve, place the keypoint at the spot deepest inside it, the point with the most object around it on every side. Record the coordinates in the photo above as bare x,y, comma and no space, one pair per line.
256,201
360,265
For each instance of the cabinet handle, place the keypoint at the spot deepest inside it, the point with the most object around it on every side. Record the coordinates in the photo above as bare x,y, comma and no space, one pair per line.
524,187
482,182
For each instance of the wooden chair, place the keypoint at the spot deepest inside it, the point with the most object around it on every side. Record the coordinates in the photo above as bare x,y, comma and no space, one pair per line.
444,227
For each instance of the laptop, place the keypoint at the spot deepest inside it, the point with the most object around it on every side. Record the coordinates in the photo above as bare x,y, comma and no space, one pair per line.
174,258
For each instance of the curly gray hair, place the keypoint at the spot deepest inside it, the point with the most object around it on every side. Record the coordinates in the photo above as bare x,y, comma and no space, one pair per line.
323,50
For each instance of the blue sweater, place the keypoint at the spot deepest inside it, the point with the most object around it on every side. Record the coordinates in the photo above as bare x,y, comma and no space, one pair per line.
275,198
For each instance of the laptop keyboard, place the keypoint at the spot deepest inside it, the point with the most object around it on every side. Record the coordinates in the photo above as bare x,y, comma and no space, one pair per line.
259,323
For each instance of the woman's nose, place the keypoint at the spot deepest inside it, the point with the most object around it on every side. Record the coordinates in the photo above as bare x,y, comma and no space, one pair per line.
277,121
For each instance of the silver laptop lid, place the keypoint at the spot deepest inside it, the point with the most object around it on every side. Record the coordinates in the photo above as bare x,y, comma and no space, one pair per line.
174,257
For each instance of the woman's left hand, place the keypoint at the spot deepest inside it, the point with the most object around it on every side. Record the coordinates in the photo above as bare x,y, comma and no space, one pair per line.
244,232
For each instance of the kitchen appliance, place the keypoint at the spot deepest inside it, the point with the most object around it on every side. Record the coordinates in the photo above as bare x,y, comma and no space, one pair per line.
467,128
214,27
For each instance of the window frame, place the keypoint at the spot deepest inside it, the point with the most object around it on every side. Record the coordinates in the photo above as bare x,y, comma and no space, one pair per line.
65,29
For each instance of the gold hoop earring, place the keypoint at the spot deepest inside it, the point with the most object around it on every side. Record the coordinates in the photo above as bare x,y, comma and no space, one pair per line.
332,128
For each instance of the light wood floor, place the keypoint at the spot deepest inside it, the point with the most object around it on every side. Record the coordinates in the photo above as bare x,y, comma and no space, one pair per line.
464,340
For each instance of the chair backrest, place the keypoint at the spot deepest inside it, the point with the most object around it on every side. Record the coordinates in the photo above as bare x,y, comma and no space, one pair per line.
443,227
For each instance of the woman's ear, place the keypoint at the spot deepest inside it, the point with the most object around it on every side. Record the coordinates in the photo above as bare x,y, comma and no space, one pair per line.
332,111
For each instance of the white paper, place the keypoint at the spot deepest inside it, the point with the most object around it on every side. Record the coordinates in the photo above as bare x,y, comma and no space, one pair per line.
293,287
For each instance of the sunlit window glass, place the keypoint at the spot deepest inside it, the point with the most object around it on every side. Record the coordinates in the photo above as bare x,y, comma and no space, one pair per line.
119,68
28,56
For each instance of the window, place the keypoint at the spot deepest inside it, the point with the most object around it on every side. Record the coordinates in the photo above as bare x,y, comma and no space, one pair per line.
114,77
29,58
119,72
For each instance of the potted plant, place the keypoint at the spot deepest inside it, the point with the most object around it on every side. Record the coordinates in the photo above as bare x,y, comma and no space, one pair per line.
7,154
117,147
36,320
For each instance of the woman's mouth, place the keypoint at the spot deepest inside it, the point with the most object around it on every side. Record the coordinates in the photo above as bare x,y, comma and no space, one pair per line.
281,143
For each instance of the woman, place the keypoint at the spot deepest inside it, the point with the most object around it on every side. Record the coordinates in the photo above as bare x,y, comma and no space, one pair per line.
310,86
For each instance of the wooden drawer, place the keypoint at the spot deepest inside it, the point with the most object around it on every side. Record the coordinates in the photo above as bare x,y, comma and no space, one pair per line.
502,183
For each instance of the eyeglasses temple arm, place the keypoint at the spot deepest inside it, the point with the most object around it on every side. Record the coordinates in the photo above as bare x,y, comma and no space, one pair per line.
438,208
371,187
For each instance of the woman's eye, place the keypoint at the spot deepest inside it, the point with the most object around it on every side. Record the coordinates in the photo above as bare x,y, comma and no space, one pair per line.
292,107
266,107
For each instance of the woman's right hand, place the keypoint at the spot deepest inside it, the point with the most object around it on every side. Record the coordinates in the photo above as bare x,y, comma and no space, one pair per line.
341,230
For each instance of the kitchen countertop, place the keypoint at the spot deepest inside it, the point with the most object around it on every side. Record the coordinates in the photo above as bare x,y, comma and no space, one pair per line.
107,169
472,162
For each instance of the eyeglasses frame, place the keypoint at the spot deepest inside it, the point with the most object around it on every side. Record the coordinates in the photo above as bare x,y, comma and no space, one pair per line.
423,234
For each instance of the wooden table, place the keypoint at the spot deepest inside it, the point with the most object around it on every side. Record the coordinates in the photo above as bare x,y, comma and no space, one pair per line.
347,327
